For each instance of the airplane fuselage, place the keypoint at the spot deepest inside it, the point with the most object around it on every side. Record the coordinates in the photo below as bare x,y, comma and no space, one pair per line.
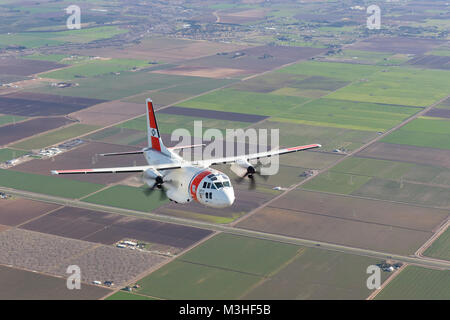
190,183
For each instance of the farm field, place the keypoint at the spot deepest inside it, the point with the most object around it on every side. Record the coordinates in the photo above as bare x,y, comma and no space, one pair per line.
317,274
233,270
123,295
34,104
40,286
108,229
387,180
10,154
423,132
293,134
383,226
406,153
21,67
95,68
39,39
85,156
46,185
127,197
54,137
17,211
440,248
13,132
110,86
416,283
398,85
341,71
8,119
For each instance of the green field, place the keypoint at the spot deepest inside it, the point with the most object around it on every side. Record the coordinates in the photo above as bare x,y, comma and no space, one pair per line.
128,198
416,283
10,119
341,71
168,123
423,132
318,274
111,86
54,186
295,134
395,170
440,248
183,280
433,196
39,39
54,137
94,68
123,295
231,100
348,114
10,154
398,85
241,254
336,182
224,267
363,57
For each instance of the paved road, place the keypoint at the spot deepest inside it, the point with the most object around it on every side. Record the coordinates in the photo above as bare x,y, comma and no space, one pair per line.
421,261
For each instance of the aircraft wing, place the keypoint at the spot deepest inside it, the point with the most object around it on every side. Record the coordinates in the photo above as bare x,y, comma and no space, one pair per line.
118,169
211,162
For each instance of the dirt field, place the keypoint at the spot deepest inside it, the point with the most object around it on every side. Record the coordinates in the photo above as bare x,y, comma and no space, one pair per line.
439,113
23,67
405,153
241,16
108,113
256,59
38,104
207,72
167,50
112,264
17,211
3,228
380,225
26,285
430,61
18,131
85,157
105,228
211,114
396,45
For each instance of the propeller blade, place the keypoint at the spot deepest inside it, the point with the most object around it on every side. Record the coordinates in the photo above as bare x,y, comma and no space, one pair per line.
252,185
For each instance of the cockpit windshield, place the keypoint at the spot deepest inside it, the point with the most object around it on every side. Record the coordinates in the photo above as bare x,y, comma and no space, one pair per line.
218,185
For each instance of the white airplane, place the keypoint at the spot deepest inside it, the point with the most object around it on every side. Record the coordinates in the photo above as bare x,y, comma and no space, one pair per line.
186,181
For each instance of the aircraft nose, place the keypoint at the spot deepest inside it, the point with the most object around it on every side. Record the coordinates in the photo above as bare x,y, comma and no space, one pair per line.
229,198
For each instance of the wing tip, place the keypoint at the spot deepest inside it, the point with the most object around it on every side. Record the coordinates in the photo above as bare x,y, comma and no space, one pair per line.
54,172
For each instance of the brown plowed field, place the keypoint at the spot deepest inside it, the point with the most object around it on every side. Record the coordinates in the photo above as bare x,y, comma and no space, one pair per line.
363,223
24,67
21,130
405,153
85,157
16,211
30,104
107,228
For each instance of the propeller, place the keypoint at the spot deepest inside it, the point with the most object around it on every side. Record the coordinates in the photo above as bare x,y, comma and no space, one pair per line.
250,173
156,182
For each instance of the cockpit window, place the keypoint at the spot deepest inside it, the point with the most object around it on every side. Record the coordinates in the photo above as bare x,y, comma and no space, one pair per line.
226,183
219,185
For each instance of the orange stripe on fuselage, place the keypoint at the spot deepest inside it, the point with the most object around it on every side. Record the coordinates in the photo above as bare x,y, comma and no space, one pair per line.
193,188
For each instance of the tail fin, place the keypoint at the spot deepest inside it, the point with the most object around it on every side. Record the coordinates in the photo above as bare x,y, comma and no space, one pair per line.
154,139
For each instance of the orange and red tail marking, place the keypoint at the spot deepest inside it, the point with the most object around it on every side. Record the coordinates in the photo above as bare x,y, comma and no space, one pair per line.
153,130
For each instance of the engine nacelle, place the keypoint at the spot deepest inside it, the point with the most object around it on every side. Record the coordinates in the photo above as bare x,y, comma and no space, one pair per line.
242,166
151,176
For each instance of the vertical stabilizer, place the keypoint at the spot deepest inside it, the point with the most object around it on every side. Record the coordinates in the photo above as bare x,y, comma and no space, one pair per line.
154,138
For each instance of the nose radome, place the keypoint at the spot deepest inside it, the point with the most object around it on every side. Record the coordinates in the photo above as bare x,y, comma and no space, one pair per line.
229,196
